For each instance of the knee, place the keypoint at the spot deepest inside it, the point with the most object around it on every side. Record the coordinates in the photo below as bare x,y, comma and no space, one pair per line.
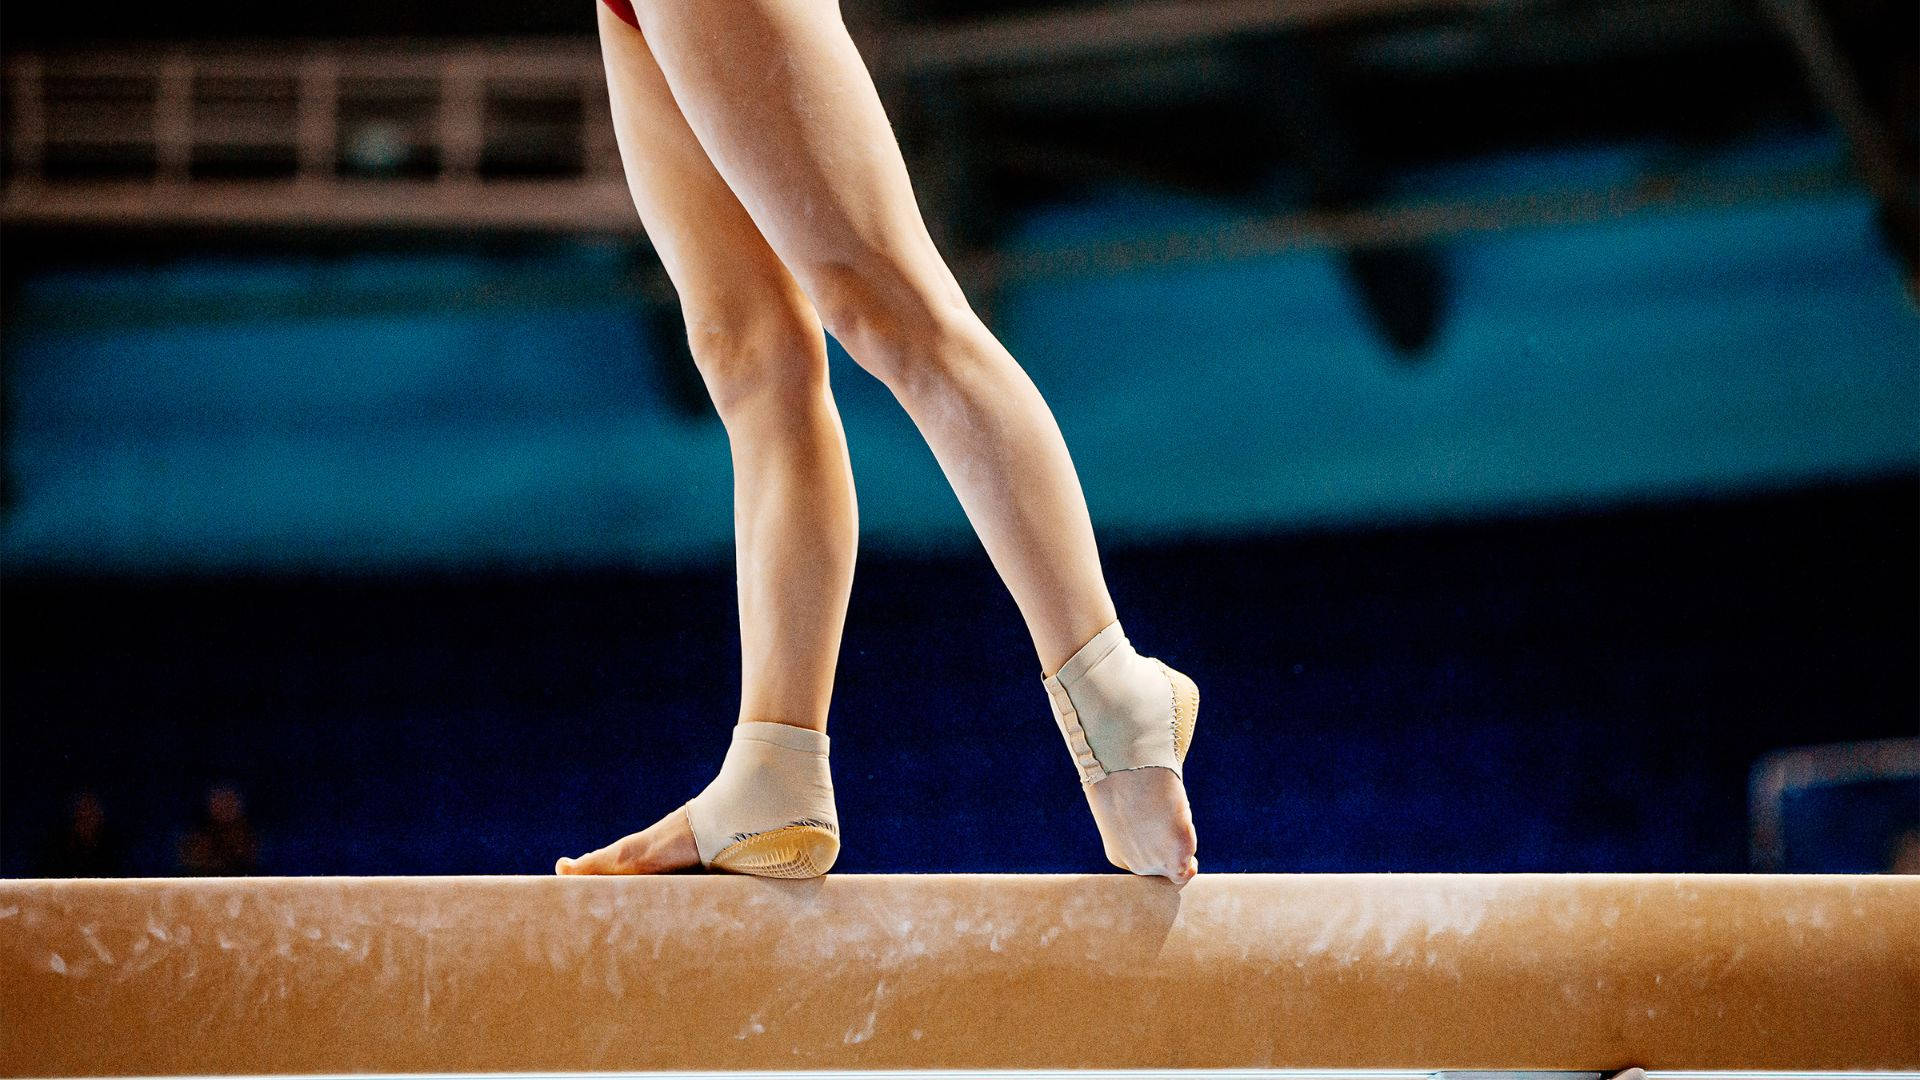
894,325
768,353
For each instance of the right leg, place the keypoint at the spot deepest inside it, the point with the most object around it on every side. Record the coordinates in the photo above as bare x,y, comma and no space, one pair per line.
762,353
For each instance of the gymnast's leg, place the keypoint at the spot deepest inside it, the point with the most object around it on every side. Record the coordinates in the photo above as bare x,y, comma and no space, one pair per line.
761,351
779,98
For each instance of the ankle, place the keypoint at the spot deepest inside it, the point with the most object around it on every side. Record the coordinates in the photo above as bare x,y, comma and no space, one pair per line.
804,723
799,737
1060,648
1119,710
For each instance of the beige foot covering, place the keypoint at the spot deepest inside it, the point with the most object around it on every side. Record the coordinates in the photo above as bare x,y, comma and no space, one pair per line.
1120,710
770,811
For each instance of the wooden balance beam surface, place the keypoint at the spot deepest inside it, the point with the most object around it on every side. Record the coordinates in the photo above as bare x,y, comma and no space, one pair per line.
279,975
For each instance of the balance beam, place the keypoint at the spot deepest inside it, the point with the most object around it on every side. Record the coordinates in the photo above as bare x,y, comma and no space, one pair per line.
696,972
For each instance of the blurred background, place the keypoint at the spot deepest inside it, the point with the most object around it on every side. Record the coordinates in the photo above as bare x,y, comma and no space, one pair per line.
1507,410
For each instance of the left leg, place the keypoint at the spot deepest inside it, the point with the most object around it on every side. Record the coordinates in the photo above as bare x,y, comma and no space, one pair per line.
759,349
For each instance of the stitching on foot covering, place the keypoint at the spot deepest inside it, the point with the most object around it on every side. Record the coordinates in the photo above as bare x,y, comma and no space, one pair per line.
1186,710
803,823
1068,720
796,851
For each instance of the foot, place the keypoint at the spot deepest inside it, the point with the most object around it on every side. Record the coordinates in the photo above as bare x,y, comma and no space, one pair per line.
768,813
1145,823
1128,720
660,848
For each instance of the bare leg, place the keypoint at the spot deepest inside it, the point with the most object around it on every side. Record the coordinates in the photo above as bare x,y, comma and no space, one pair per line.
778,96
761,351
781,101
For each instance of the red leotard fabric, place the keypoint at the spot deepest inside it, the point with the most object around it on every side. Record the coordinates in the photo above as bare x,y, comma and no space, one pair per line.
624,9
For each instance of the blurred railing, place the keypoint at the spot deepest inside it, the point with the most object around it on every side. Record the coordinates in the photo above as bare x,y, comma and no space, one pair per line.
401,134
516,135
1785,773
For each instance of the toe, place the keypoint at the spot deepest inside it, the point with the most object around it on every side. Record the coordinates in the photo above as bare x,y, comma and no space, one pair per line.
1186,872
664,846
606,860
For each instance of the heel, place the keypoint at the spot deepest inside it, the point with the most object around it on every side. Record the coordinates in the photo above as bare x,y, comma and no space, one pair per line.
1186,710
796,851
